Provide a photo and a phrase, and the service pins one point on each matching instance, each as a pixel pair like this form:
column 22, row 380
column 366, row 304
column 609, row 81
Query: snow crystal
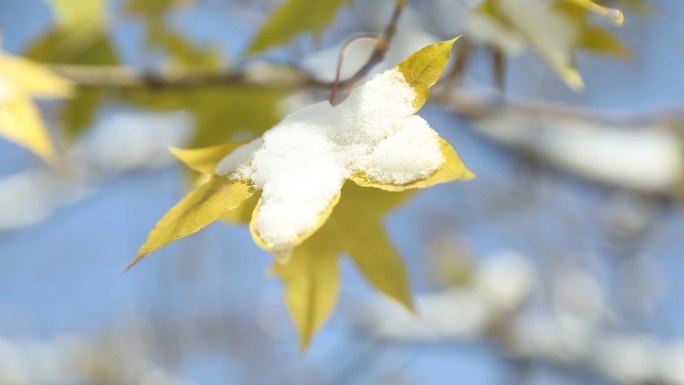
column 301, row 163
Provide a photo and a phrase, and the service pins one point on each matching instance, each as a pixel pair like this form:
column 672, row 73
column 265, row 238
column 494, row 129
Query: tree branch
column 519, row 125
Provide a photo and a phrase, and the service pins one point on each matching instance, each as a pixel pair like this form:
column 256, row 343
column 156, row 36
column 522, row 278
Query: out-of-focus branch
column 639, row 151
column 468, row 103
column 123, row 77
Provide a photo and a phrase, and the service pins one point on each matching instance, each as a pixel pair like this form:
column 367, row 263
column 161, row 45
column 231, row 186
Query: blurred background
column 560, row 264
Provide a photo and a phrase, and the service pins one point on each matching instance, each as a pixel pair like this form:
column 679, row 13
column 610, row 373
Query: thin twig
column 340, row 60
column 379, row 50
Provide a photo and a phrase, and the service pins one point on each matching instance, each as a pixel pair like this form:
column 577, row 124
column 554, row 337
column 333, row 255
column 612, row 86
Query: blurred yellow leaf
column 80, row 111
column 73, row 13
column 29, row 78
column 151, row 9
column 600, row 40
column 184, row 55
column 424, row 68
column 593, row 38
column 20, row 81
column 79, row 35
column 555, row 30
column 201, row 207
column 294, row 17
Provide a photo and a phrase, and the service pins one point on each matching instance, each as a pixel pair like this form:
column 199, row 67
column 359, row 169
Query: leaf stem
column 343, row 53
column 381, row 47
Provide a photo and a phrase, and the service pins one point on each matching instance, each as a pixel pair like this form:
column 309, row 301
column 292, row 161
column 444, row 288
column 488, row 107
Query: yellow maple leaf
column 347, row 217
column 20, row 81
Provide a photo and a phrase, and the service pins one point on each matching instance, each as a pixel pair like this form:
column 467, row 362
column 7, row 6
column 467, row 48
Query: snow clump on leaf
column 301, row 164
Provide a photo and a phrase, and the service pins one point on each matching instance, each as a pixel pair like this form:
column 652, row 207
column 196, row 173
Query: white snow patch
column 301, row 163
column 407, row 156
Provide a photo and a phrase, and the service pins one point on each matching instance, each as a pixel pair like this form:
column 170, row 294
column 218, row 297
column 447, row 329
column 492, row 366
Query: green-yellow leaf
column 452, row 169
column 600, row 40
column 79, row 35
column 79, row 112
column 182, row 54
column 294, row 17
column 592, row 37
column 555, row 30
column 150, row 8
column 613, row 14
column 424, row 68
column 30, row 78
column 73, row 13
column 201, row 207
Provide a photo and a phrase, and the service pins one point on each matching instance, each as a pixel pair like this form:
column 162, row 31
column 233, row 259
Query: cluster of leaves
column 351, row 225
column 506, row 21
column 80, row 35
